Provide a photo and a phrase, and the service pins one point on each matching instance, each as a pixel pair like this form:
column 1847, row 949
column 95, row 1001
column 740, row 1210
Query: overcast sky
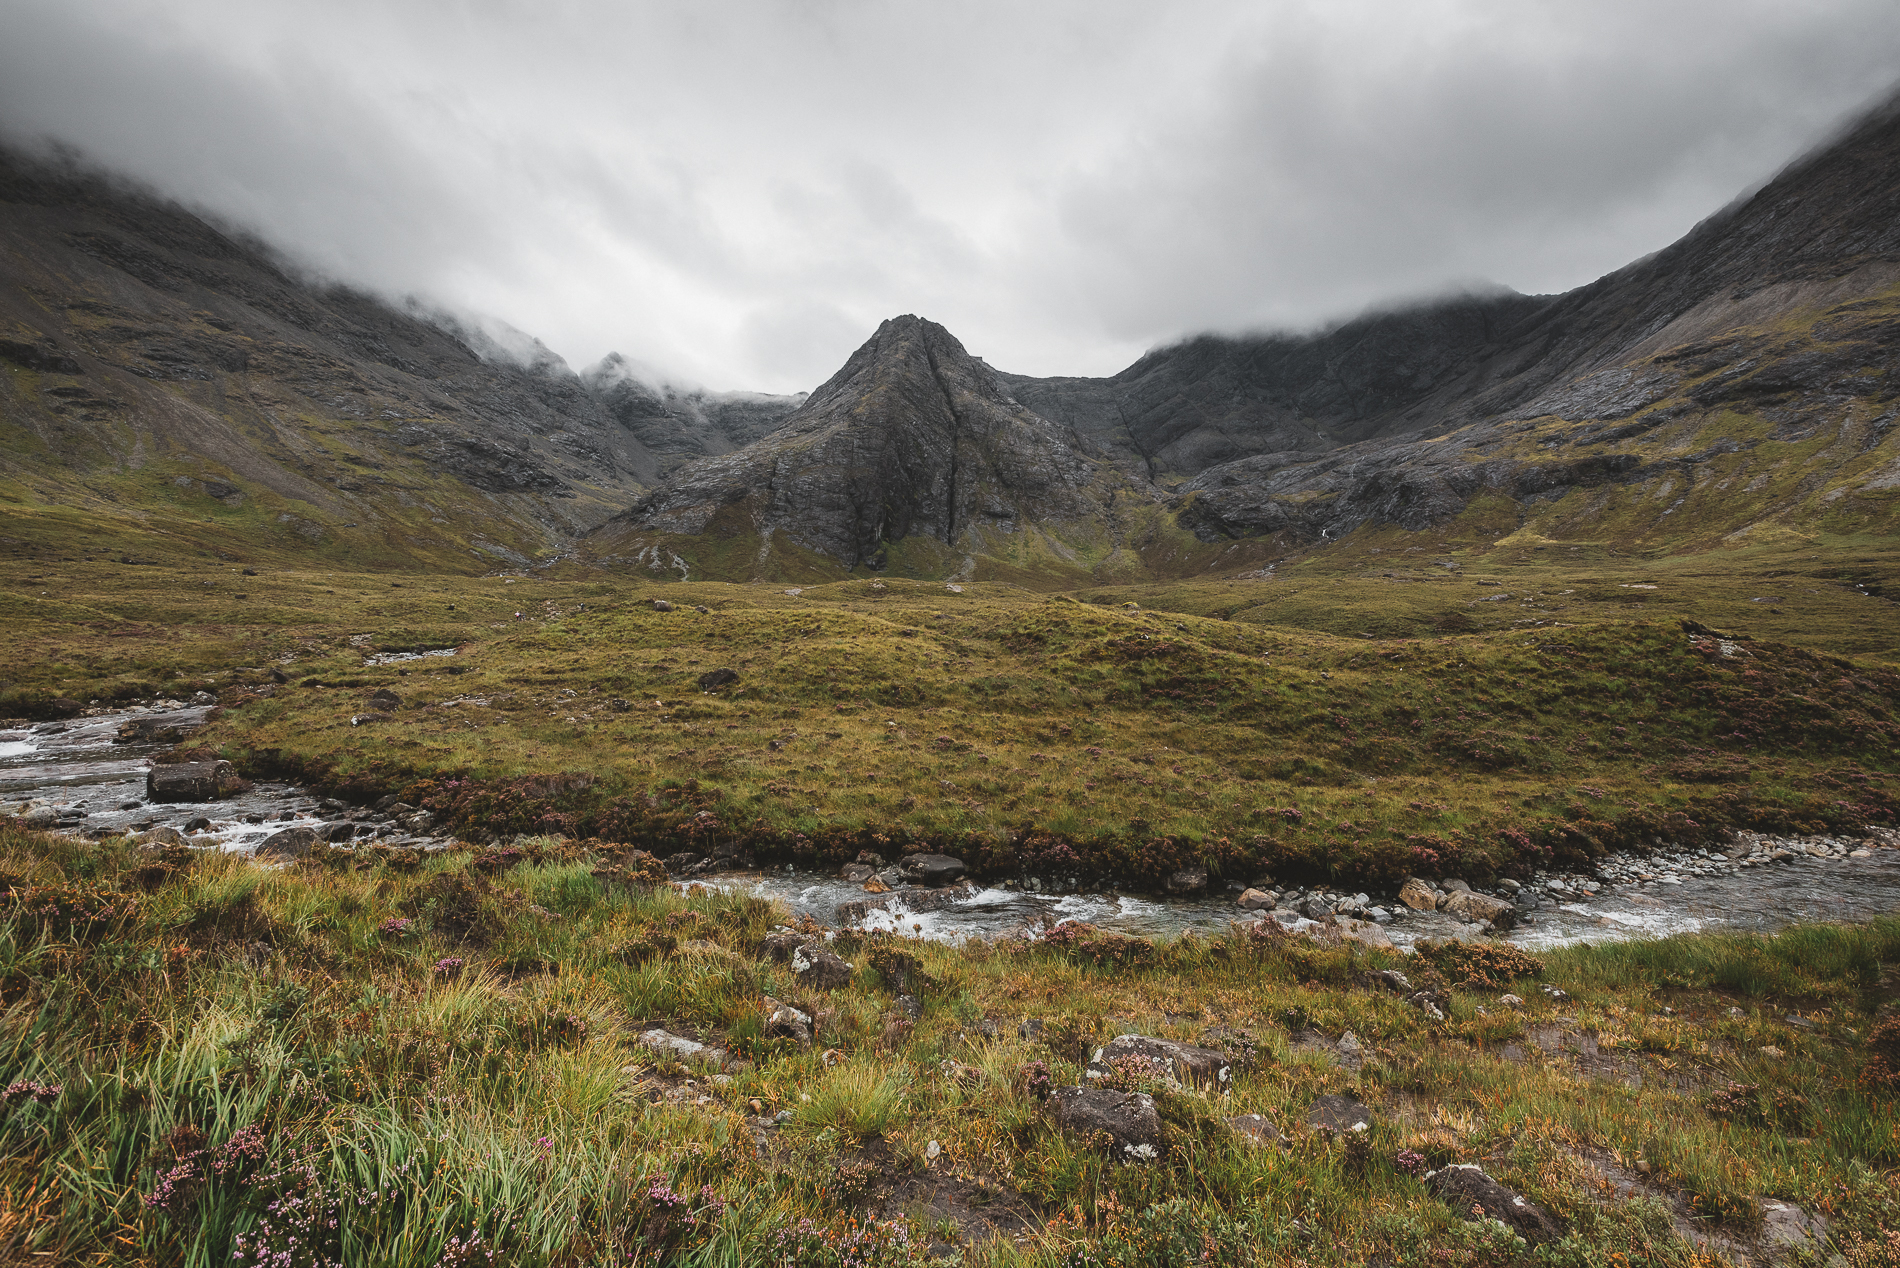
column 737, row 191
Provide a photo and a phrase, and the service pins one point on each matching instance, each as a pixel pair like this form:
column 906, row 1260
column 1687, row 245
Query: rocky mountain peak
column 913, row 438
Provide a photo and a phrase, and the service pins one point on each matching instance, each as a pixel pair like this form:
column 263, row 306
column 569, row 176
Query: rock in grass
column 782, row 1021
column 661, row 605
column 1256, row 1129
column 1475, row 1196
column 191, row 781
column 291, row 843
column 1182, row 1062
column 1417, row 895
column 1128, row 1120
column 385, row 700
column 1482, row 909
column 931, row 869
column 158, row 838
column 1339, row 1114
column 683, row 1049
column 1366, row 932
column 816, row 967
column 713, row 678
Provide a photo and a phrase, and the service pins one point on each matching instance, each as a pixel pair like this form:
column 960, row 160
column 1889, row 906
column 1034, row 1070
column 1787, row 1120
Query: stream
column 77, row 777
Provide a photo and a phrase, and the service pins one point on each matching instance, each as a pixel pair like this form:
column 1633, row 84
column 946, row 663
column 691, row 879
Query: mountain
column 1748, row 369
column 174, row 378
column 678, row 424
column 914, row 457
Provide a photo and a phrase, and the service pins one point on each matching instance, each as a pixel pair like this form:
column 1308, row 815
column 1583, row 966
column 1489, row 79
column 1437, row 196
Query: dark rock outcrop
column 1467, row 1190
column 1127, row 1121
column 913, row 438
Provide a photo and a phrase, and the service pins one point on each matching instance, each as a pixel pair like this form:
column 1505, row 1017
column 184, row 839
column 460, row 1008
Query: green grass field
column 432, row 1064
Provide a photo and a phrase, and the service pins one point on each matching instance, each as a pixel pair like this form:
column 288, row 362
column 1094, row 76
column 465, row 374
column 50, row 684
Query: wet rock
column 713, row 678
column 1256, row 1129
column 1189, row 880
column 1475, row 1196
column 191, row 781
column 197, row 825
column 1256, row 900
column 291, row 843
column 1482, row 909
column 1417, row 895
column 1128, row 1120
column 912, row 900
column 1338, row 1114
column 856, row 873
column 335, row 833
column 818, row 968
column 1182, row 1062
column 160, row 728
column 931, row 869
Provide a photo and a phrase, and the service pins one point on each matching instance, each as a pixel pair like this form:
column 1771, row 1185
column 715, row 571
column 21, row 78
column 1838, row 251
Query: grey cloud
column 735, row 192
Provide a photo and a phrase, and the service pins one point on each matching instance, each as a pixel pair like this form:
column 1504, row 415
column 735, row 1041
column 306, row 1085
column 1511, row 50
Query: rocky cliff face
column 912, row 439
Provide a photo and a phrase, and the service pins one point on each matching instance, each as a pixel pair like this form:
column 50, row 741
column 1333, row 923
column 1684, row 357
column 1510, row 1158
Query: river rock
column 158, row 838
column 912, row 900
column 1128, row 1119
column 1482, row 909
column 291, row 843
column 856, row 873
column 41, row 817
column 1189, row 880
column 931, row 869
column 191, row 781
column 1256, row 900
column 1366, row 932
column 1182, row 1062
column 1417, row 895
column 1475, row 1196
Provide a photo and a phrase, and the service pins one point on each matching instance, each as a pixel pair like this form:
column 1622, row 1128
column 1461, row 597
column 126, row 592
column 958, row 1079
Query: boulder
column 1482, row 909
column 1128, row 1120
column 41, row 817
column 1339, row 1114
column 191, row 781
column 931, row 869
column 856, row 873
column 1475, row 1196
column 1165, row 1058
column 816, row 967
column 291, row 843
column 661, row 605
column 1366, row 932
column 1189, row 880
column 1417, row 895
column 1256, row 900
column 1256, row 1129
